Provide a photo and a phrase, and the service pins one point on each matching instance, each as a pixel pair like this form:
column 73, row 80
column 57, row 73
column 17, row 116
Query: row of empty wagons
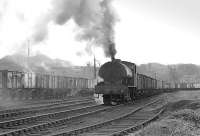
column 146, row 82
column 29, row 85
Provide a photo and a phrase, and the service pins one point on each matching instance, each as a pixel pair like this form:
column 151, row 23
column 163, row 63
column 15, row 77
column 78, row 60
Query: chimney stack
column 112, row 57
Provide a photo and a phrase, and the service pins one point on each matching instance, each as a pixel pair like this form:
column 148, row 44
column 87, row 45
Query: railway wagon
column 196, row 85
column 31, row 85
column 145, row 82
column 146, row 86
column 159, row 84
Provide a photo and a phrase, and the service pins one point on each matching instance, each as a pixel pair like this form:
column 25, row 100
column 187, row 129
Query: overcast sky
column 163, row 31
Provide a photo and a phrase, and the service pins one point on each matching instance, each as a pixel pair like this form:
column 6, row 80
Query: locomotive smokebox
column 114, row 71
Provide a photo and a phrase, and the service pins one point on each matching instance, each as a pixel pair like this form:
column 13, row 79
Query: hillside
column 43, row 64
column 173, row 73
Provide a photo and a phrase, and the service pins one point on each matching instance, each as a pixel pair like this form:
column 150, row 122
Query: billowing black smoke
column 95, row 18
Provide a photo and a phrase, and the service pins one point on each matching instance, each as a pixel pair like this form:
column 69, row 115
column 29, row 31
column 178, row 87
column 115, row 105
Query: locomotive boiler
column 119, row 81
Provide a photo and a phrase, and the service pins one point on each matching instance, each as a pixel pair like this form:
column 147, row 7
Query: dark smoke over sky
column 95, row 18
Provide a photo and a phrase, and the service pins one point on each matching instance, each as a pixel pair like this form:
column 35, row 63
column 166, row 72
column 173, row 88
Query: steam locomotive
column 121, row 83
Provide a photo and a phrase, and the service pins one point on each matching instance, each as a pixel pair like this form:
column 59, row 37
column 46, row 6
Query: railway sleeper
column 54, row 124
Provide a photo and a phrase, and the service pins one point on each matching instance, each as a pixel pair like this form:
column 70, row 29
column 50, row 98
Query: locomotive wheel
column 106, row 99
column 132, row 94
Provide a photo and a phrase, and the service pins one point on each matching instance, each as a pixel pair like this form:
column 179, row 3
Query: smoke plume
column 3, row 5
column 95, row 18
column 40, row 31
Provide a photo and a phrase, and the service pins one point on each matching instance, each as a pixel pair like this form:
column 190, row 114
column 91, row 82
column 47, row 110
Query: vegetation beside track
column 181, row 118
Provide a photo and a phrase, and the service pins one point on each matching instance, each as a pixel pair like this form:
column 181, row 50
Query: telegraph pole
column 28, row 48
column 28, row 52
column 95, row 69
column 28, row 44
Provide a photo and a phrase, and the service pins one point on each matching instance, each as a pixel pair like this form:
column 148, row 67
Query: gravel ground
column 181, row 117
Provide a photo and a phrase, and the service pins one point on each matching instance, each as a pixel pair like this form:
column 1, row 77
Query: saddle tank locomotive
column 119, row 81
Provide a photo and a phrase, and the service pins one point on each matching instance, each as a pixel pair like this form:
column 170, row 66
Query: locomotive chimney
column 112, row 50
column 112, row 57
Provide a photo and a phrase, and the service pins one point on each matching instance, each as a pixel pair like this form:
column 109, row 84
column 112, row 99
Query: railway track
column 43, row 103
column 124, row 125
column 25, row 104
column 112, row 126
column 53, row 120
column 57, row 123
column 41, row 113
column 14, row 113
column 134, row 127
